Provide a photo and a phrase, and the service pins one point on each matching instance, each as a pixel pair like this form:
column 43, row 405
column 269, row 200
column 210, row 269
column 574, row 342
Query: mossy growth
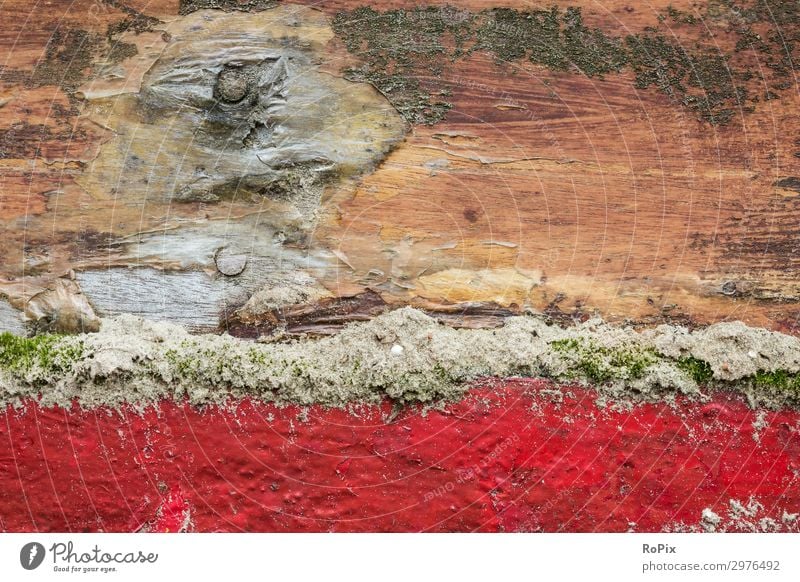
column 678, row 16
column 698, row 370
column 214, row 369
column 701, row 80
column 72, row 55
column 135, row 21
column 779, row 381
column 404, row 52
column 69, row 54
column 557, row 39
column 601, row 364
column 183, row 365
column 47, row 354
column 120, row 51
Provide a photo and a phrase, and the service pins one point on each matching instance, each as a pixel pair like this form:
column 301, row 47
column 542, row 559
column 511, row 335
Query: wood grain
column 541, row 189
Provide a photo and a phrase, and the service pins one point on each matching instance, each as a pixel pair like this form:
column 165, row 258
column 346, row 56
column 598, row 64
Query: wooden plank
column 539, row 188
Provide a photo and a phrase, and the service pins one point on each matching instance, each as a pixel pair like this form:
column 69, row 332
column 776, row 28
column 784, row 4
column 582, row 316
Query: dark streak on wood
column 325, row 317
column 329, row 316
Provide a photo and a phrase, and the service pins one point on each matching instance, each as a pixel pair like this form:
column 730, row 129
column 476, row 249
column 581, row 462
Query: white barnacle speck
column 396, row 350
column 752, row 354
column 709, row 520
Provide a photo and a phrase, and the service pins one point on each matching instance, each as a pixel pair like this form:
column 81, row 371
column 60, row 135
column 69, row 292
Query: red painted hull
column 503, row 459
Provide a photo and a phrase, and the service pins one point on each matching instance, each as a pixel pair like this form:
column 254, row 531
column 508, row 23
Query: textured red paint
column 503, row 459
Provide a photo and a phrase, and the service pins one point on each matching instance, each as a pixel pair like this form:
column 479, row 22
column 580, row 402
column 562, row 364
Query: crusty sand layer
column 403, row 355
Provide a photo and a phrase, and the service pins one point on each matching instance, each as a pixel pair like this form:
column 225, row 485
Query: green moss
column 183, row 365
column 778, row 381
column 699, row 370
column 566, row 345
column 257, row 357
column 48, row 353
column 600, row 364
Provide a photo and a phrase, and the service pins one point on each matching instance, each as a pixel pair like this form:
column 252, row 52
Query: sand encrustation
column 404, row 355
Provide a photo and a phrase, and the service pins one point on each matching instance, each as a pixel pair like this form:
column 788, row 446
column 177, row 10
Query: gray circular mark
column 729, row 288
column 230, row 263
column 232, row 85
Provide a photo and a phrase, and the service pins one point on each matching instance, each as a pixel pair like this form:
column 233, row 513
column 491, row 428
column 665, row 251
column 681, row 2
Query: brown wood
column 540, row 190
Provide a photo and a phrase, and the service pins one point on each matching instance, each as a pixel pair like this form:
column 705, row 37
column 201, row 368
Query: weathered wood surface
column 543, row 189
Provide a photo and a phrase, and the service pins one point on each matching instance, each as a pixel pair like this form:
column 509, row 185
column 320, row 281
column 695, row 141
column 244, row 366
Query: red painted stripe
column 503, row 459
